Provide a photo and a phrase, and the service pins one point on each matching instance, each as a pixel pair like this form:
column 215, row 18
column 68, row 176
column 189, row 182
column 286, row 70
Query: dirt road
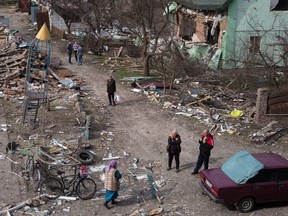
column 141, row 129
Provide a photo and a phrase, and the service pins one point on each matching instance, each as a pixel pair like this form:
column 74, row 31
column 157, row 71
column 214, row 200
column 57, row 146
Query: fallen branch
column 20, row 205
column 11, row 173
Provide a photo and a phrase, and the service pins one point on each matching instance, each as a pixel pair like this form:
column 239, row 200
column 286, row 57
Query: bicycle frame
column 67, row 182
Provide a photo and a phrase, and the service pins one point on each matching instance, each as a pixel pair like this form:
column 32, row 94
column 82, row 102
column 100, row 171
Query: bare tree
column 174, row 63
column 97, row 14
column 68, row 10
column 147, row 16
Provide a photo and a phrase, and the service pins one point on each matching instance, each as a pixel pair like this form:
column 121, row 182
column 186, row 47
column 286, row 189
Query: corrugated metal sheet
column 205, row 4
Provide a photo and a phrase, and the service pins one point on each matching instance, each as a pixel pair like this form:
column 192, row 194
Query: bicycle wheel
column 29, row 167
column 51, row 187
column 86, row 188
column 36, row 178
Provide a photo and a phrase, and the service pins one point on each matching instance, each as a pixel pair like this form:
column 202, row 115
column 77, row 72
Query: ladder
column 32, row 103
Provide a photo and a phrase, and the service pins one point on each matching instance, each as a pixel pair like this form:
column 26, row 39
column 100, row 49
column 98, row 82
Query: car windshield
column 241, row 167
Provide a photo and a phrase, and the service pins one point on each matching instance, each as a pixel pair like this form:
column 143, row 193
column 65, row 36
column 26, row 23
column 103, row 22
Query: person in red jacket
column 206, row 142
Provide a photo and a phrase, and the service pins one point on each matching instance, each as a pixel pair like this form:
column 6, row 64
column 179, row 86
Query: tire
column 51, row 187
column 86, row 188
column 245, row 205
column 85, row 157
column 36, row 178
column 29, row 167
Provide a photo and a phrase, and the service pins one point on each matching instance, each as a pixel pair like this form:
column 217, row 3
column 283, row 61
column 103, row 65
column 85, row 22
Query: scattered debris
column 156, row 211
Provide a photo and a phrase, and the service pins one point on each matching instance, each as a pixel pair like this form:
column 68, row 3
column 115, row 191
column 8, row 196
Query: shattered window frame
column 278, row 5
column 255, row 42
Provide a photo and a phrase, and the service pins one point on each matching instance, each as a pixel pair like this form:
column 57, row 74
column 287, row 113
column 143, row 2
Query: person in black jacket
column 111, row 89
column 174, row 149
column 70, row 51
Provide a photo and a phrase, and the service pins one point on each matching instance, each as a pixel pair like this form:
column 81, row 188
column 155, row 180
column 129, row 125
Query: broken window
column 254, row 44
column 278, row 5
column 186, row 27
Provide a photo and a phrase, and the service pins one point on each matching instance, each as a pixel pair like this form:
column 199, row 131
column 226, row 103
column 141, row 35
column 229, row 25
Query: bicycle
column 33, row 171
column 55, row 186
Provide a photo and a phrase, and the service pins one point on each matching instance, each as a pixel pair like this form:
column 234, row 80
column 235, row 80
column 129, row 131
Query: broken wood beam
column 120, row 51
column 200, row 100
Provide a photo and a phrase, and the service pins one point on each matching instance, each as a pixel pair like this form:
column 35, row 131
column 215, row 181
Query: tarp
column 170, row 8
column 241, row 167
column 198, row 51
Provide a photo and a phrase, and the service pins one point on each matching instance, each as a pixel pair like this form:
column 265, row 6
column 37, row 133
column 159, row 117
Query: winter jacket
column 80, row 51
column 173, row 146
column 206, row 144
column 70, row 48
column 111, row 86
column 112, row 180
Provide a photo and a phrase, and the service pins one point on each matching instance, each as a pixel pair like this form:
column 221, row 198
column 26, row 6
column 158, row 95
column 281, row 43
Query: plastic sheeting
column 241, row 167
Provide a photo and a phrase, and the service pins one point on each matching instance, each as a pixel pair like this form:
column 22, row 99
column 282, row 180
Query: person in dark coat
column 174, row 149
column 75, row 48
column 70, row 51
column 206, row 142
column 111, row 89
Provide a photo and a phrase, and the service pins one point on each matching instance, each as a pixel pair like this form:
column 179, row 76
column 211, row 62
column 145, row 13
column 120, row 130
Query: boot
column 114, row 202
column 106, row 205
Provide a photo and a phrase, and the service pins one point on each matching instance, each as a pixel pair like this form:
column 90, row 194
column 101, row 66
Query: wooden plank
column 203, row 99
column 54, row 74
column 120, row 51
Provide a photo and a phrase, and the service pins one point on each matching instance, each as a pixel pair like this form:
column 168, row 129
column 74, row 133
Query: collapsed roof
column 205, row 4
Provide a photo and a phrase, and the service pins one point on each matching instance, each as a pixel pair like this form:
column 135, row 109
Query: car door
column 264, row 186
column 282, row 186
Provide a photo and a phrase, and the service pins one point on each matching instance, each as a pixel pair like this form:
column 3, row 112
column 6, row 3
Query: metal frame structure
column 37, row 68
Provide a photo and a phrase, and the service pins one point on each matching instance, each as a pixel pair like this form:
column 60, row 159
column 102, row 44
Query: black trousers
column 171, row 156
column 202, row 158
column 70, row 55
column 111, row 98
column 75, row 52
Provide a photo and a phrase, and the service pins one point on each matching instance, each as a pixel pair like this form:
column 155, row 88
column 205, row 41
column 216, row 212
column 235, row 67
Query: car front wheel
column 245, row 205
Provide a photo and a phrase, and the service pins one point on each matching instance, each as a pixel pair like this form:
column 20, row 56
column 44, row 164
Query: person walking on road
column 111, row 89
column 111, row 183
column 75, row 48
column 206, row 142
column 80, row 54
column 70, row 51
column 174, row 149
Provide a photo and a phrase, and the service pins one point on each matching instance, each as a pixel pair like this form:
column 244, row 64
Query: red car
column 246, row 179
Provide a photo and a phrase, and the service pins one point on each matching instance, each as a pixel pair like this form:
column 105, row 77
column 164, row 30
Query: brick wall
column 200, row 27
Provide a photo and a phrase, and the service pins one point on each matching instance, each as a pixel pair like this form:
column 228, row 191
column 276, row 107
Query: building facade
column 235, row 33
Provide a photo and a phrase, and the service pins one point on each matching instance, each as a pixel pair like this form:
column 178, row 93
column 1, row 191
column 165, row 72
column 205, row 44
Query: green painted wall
column 248, row 18
column 229, row 37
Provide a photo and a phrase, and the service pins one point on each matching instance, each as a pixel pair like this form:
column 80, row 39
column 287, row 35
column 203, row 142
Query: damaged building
column 233, row 34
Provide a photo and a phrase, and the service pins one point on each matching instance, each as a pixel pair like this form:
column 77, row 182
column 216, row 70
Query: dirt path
column 142, row 129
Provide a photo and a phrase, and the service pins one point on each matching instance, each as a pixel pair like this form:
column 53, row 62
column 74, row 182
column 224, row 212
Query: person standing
column 206, row 142
column 75, row 48
column 70, row 51
column 80, row 53
column 174, row 149
column 111, row 183
column 111, row 89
